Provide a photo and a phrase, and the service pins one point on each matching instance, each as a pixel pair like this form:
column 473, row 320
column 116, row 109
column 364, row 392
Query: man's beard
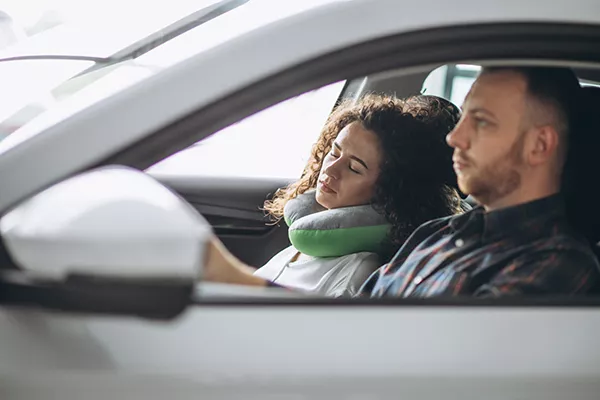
column 494, row 181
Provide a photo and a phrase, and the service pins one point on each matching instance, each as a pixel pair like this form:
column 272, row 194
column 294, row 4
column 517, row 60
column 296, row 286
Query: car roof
column 106, row 127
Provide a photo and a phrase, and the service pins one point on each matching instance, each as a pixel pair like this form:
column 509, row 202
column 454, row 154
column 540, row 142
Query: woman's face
column 350, row 169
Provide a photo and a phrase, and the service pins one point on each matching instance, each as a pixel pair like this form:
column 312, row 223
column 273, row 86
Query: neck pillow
column 319, row 232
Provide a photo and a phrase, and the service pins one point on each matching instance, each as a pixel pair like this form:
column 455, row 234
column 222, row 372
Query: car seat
column 582, row 170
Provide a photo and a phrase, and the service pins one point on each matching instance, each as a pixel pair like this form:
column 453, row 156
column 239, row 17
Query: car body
column 226, row 344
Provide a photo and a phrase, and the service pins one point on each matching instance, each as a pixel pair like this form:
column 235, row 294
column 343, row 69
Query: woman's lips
column 325, row 188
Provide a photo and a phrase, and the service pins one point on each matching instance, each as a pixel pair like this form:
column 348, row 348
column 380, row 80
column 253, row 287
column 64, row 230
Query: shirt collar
column 513, row 218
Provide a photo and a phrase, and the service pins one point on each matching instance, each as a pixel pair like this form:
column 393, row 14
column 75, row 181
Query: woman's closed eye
column 481, row 123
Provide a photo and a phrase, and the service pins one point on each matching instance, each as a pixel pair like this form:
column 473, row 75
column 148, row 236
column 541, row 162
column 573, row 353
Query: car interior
column 233, row 205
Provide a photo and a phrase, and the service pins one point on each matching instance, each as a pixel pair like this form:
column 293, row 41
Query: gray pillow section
column 301, row 206
column 305, row 213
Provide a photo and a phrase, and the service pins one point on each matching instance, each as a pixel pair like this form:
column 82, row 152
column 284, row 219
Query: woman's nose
column 333, row 169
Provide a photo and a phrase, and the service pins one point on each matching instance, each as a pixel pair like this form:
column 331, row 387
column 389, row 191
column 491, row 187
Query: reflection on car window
column 274, row 143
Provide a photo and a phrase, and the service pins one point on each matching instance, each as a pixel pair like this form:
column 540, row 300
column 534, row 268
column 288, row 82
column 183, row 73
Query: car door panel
column 233, row 206
column 336, row 352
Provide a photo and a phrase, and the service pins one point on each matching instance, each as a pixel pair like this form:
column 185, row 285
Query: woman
column 380, row 168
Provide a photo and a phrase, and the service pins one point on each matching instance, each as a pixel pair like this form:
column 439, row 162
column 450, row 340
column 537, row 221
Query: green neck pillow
column 319, row 232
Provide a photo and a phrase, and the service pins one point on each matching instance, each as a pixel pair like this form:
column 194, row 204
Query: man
column 510, row 148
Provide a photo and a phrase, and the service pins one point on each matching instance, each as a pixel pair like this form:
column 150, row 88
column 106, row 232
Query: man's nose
column 458, row 138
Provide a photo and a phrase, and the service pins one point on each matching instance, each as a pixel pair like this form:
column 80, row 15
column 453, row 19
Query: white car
column 101, row 292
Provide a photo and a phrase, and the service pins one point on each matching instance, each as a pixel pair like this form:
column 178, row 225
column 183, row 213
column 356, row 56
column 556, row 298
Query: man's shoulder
column 565, row 255
column 567, row 241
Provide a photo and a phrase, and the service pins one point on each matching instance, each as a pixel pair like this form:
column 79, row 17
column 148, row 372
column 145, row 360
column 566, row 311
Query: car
column 108, row 197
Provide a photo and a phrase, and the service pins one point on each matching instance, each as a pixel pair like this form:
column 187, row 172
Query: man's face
column 488, row 141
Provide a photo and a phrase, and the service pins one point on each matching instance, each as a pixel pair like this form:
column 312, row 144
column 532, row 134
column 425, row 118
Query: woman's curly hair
column 416, row 182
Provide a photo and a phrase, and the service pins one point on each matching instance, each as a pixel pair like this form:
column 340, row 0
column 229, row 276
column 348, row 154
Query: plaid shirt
column 527, row 249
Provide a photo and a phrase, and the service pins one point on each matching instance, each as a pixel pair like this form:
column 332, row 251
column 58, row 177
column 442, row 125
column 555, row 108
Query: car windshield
column 92, row 29
column 55, row 51
column 65, row 55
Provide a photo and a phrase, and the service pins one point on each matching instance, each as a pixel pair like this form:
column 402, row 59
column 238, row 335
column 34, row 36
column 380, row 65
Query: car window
column 273, row 143
column 451, row 81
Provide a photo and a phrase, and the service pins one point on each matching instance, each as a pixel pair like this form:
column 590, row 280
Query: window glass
column 273, row 143
column 460, row 88
column 451, row 81
column 454, row 81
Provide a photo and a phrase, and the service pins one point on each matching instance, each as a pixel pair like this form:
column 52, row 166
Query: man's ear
column 544, row 145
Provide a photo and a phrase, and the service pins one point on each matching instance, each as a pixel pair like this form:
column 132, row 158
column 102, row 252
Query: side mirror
column 112, row 239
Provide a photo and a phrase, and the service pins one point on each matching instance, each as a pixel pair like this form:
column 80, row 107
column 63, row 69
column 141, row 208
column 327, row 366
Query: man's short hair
column 553, row 98
column 554, row 89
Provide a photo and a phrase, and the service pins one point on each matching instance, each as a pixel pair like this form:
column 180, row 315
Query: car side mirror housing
column 113, row 229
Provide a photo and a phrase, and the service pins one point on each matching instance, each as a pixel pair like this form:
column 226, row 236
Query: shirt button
column 417, row 280
column 459, row 243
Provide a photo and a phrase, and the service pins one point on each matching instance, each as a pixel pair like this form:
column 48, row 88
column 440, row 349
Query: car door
column 298, row 347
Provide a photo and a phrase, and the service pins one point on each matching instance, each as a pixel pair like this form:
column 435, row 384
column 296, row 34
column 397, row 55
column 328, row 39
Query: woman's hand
column 222, row 266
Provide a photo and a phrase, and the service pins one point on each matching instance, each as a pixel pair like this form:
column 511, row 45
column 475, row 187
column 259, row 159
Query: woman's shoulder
column 361, row 257
column 356, row 265
column 350, row 272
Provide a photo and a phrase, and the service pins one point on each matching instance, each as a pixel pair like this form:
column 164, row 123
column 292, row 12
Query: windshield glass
column 84, row 28
column 62, row 47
